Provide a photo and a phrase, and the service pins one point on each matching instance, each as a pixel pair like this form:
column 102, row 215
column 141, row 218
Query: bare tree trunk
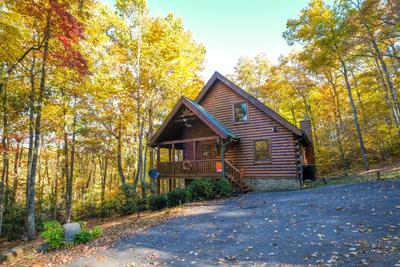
column 104, row 180
column 355, row 116
column 70, row 174
column 119, row 153
column 55, row 188
column 381, row 80
column 5, row 154
column 30, row 199
column 16, row 169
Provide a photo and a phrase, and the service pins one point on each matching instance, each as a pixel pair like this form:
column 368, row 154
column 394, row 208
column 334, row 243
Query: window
column 262, row 150
column 240, row 112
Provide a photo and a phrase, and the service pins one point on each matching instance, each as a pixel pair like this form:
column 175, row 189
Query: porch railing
column 190, row 168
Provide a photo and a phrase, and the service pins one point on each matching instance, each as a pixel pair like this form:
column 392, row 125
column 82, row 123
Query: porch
column 191, row 144
column 179, row 160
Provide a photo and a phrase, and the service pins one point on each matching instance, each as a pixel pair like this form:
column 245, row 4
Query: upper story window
column 262, row 150
column 241, row 112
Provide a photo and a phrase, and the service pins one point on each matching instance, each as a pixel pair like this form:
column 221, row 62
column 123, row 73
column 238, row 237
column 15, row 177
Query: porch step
column 236, row 184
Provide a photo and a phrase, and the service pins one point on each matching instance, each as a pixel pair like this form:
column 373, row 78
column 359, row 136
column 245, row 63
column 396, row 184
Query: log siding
column 219, row 101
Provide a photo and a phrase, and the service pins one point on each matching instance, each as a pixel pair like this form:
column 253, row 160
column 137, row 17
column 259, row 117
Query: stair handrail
column 235, row 173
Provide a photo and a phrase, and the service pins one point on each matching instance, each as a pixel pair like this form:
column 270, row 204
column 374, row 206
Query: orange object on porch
column 218, row 166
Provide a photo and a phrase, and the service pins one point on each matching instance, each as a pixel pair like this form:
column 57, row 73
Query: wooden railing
column 234, row 175
column 193, row 168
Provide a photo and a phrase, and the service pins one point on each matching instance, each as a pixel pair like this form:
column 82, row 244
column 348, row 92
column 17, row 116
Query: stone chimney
column 308, row 152
column 305, row 125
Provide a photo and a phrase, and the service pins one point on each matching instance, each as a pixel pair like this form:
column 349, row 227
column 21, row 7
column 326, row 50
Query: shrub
column 176, row 196
column 13, row 222
column 85, row 236
column 129, row 207
column 54, row 233
column 112, row 206
column 223, row 188
column 97, row 232
column 202, row 189
column 157, row 202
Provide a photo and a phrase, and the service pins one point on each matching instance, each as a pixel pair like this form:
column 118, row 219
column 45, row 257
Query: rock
column 70, row 229
column 43, row 248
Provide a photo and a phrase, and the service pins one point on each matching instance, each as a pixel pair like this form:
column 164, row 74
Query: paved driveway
column 347, row 225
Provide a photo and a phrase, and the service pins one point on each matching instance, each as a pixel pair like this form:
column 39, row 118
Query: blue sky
column 230, row 29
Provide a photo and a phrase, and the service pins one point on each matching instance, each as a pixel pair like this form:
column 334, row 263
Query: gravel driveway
column 351, row 225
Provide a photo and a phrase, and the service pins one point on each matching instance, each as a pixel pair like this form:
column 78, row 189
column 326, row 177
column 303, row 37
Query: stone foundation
column 270, row 184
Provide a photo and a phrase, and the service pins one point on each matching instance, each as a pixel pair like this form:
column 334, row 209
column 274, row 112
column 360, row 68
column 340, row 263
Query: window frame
column 247, row 109
column 265, row 161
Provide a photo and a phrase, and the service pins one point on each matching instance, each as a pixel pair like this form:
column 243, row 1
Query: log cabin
column 227, row 133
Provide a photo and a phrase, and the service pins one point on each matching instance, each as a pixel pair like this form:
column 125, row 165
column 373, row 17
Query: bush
column 85, row 236
column 135, row 204
column 203, row 189
column 54, row 233
column 210, row 188
column 97, row 232
column 176, row 196
column 223, row 188
column 112, row 206
column 158, row 202
column 13, row 222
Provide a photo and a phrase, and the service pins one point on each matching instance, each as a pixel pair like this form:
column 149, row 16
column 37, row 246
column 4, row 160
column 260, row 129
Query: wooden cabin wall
column 197, row 130
column 219, row 102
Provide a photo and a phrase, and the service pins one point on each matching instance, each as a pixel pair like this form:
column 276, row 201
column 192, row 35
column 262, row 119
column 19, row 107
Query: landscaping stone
column 70, row 229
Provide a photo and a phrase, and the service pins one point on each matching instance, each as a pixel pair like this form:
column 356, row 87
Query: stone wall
column 273, row 184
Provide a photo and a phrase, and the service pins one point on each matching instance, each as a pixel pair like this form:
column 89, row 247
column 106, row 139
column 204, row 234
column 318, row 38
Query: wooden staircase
column 235, row 176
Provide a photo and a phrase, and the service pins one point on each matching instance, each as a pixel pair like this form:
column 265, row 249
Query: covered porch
column 191, row 144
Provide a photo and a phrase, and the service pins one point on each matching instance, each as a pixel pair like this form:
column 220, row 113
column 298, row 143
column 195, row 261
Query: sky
column 230, row 29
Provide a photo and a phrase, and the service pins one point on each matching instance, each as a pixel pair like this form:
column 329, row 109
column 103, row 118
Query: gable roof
column 219, row 77
column 220, row 129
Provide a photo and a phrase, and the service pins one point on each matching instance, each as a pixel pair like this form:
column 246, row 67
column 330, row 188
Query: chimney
column 308, row 152
column 305, row 125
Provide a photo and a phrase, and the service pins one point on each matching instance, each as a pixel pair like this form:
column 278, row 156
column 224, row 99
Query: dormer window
column 240, row 111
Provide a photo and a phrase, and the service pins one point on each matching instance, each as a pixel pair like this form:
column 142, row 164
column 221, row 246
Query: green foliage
column 112, row 206
column 223, row 188
column 176, row 197
column 210, row 188
column 203, row 189
column 13, row 221
column 86, row 235
column 54, row 233
column 157, row 202
column 96, row 232
column 82, row 237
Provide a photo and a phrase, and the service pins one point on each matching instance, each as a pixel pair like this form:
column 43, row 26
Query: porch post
column 194, row 158
column 158, row 184
column 223, row 158
column 173, row 160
